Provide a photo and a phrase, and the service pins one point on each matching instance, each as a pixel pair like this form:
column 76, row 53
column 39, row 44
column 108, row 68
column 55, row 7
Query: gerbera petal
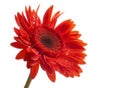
column 81, row 55
column 32, row 51
column 72, row 52
column 72, row 71
column 73, row 35
column 17, row 45
column 32, row 17
column 78, row 60
column 21, row 54
column 16, row 31
column 28, row 13
column 31, row 62
column 65, row 27
column 19, row 40
column 63, row 62
column 81, row 42
column 27, row 57
column 47, row 16
column 54, row 19
column 50, row 61
column 51, row 75
column 22, row 22
column 63, row 71
column 26, row 42
column 25, row 23
column 75, row 71
column 75, row 55
column 23, row 37
column 43, row 64
column 17, row 18
column 75, row 44
column 48, row 68
column 23, row 32
column 34, row 70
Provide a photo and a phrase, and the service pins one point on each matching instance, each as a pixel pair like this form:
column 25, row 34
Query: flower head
column 53, row 48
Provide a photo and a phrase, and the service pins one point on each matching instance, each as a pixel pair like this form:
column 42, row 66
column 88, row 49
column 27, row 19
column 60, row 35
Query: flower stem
column 28, row 82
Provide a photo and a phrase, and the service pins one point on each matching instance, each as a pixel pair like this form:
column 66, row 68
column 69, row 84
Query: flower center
column 48, row 41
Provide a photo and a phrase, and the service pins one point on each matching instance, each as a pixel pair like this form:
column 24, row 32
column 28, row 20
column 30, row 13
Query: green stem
column 28, row 82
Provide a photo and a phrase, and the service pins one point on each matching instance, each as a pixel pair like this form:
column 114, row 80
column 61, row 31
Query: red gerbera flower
column 54, row 48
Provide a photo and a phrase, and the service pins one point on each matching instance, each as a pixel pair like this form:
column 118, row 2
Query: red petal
column 28, row 13
column 50, row 61
column 75, row 44
column 21, row 54
column 27, row 56
column 17, row 45
column 81, row 43
column 72, row 71
column 74, row 32
column 17, row 31
column 51, row 76
column 63, row 62
column 26, row 42
column 32, row 51
column 77, row 69
column 65, row 27
column 19, row 40
column 54, row 19
column 25, row 23
column 23, row 40
column 24, row 34
column 63, row 71
column 32, row 17
column 47, row 16
column 79, row 60
column 76, row 53
column 17, row 18
column 34, row 70
column 74, row 35
column 31, row 63
column 48, row 68
column 22, row 22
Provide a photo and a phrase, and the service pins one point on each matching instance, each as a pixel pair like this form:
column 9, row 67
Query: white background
column 99, row 23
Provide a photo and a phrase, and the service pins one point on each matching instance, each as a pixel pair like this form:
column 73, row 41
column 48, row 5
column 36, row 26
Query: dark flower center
column 48, row 41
